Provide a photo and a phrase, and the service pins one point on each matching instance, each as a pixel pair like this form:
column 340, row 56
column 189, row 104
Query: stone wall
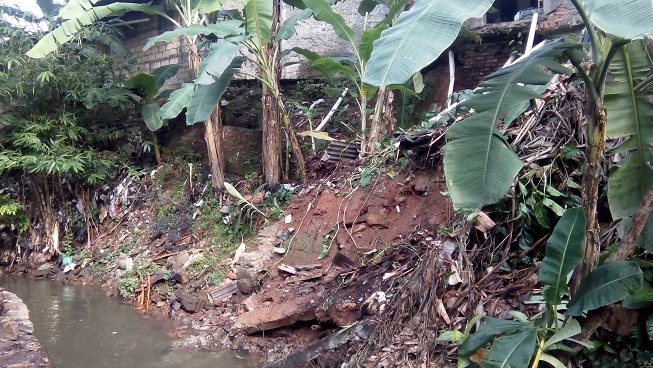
column 18, row 346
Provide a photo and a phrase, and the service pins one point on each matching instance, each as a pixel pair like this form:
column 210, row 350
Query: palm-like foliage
column 479, row 164
column 630, row 117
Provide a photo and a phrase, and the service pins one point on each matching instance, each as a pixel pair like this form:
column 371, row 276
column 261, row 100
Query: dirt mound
column 340, row 242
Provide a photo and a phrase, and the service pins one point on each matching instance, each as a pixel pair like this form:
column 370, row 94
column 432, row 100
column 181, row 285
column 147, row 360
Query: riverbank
column 333, row 257
column 18, row 346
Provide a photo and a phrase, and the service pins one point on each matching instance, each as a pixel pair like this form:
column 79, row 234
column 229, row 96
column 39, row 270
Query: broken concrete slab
column 280, row 315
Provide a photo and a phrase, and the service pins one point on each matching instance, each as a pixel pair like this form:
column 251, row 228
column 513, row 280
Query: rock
column 126, row 263
column 191, row 302
column 157, row 276
column 245, row 282
column 179, row 260
column 377, row 218
column 421, row 183
column 358, row 228
column 180, row 277
column 280, row 315
column 188, row 301
column 40, row 273
column 18, row 346
column 10, row 330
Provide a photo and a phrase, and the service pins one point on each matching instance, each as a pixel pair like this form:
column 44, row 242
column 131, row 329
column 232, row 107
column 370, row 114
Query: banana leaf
column 630, row 117
column 420, row 35
column 564, row 250
column 629, row 19
column 479, row 164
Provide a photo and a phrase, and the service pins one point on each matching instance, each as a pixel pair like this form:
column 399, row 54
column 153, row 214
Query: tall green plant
column 258, row 35
column 352, row 69
column 148, row 87
column 48, row 123
column 401, row 50
column 527, row 342
column 190, row 21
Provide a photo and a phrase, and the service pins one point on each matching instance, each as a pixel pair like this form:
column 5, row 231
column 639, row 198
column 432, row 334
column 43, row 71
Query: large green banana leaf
column 514, row 350
column 479, row 165
column 630, row 116
column 81, row 17
column 151, row 113
column 220, row 57
column 564, row 250
column 420, row 35
column 609, row 283
column 177, row 101
column 258, row 16
column 625, row 18
column 207, row 96
column 220, row 29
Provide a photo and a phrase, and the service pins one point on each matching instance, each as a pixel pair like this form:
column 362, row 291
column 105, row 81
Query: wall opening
column 512, row 10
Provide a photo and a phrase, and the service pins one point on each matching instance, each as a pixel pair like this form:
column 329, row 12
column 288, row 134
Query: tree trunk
column 383, row 120
column 213, row 137
column 212, row 130
column 591, row 180
column 271, row 110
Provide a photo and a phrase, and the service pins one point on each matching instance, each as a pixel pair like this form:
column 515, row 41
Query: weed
column 128, row 285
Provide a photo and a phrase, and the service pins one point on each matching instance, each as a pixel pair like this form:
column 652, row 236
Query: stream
column 81, row 327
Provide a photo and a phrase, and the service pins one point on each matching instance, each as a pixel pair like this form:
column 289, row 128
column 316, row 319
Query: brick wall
column 474, row 61
column 162, row 53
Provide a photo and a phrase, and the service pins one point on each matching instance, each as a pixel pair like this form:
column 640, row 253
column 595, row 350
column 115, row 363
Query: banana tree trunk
column 213, row 137
column 212, row 131
column 383, row 120
column 591, row 178
column 271, row 110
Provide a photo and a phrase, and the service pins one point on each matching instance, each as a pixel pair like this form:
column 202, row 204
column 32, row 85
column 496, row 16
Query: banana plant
column 525, row 342
column 148, row 89
column 256, row 33
column 79, row 14
column 619, row 105
column 351, row 68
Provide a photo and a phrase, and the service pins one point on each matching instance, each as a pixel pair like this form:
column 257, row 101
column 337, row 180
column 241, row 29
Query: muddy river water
column 80, row 327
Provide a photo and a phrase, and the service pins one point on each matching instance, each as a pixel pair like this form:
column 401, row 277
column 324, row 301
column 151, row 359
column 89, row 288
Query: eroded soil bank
column 330, row 261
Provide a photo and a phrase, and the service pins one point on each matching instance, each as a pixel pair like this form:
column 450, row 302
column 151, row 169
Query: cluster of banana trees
column 257, row 30
column 481, row 166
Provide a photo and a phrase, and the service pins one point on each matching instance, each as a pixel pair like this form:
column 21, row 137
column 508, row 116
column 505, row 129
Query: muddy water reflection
column 80, row 327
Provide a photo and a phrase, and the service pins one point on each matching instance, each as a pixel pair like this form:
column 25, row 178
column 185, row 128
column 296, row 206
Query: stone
column 358, row 228
column 188, row 301
column 245, row 282
column 180, row 277
column 279, row 315
column 377, row 219
column 126, row 263
column 179, row 260
column 158, row 275
column 10, row 330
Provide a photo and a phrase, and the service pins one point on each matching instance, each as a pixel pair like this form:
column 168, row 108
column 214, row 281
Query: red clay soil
column 362, row 226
